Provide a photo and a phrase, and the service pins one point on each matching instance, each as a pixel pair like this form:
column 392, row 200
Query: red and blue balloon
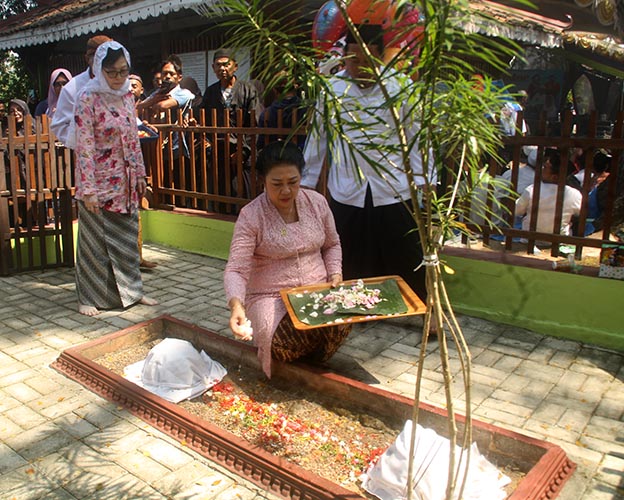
column 329, row 26
column 401, row 28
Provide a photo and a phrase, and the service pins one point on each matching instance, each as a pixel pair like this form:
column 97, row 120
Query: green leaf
column 15, row 81
column 392, row 303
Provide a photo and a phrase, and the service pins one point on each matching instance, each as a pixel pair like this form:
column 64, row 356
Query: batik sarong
column 315, row 345
column 107, row 259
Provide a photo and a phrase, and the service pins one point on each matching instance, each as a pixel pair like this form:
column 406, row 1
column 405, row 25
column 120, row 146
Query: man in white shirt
column 526, row 171
column 377, row 231
column 572, row 199
column 62, row 123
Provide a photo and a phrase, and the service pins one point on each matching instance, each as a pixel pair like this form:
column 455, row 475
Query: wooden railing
column 36, row 190
column 36, row 210
column 594, row 140
column 192, row 181
column 216, row 170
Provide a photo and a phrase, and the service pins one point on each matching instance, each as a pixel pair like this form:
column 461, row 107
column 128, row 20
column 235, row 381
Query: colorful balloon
column 371, row 11
column 407, row 31
column 328, row 27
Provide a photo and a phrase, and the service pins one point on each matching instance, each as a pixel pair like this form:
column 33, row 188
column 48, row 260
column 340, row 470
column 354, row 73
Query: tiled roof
column 57, row 12
column 530, row 27
column 64, row 19
column 516, row 24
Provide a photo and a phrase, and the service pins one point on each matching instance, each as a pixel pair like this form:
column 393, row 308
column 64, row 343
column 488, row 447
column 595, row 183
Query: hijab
column 24, row 108
column 52, row 95
column 98, row 83
column 22, row 105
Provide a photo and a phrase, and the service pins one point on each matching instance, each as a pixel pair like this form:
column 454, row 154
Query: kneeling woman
column 285, row 237
column 110, row 181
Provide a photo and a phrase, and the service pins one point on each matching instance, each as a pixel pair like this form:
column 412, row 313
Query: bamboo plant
column 451, row 104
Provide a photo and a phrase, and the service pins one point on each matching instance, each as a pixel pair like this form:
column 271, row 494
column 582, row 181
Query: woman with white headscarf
column 110, row 181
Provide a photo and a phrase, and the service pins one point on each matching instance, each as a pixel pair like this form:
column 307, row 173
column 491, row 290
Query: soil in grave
column 313, row 431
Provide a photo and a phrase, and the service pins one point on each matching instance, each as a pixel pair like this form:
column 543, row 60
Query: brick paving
column 61, row 441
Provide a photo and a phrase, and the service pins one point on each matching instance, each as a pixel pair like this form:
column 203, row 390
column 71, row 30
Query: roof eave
column 101, row 21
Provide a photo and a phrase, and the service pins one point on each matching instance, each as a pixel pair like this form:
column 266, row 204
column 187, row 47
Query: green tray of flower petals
column 351, row 302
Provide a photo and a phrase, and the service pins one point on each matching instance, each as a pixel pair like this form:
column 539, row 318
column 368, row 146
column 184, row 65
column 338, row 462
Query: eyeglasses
column 112, row 73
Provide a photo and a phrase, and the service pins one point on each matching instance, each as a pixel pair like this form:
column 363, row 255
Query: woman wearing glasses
column 110, row 181
column 59, row 78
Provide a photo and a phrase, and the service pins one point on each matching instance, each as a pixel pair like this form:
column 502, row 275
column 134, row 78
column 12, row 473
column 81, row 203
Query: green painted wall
column 26, row 247
column 193, row 233
column 582, row 308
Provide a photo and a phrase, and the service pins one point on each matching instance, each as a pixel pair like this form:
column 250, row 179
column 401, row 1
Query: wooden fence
column 36, row 188
column 192, row 182
column 215, row 174
column 595, row 139
column 209, row 164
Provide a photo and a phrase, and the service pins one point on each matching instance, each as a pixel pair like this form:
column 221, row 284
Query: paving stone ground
column 61, row 441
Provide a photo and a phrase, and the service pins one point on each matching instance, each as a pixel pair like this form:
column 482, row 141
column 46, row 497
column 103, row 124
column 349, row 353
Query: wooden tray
column 412, row 301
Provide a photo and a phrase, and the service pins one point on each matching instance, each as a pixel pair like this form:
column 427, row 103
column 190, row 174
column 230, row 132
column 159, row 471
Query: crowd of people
column 538, row 177
column 289, row 235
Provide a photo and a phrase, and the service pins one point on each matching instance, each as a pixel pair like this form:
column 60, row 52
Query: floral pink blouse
column 267, row 255
column 108, row 153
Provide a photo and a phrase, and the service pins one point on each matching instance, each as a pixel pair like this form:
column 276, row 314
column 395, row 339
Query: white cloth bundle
column 387, row 479
column 175, row 371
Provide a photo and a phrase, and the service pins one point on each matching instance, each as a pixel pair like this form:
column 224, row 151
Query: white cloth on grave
column 175, row 371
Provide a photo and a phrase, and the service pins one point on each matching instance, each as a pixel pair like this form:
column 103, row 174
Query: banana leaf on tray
column 311, row 308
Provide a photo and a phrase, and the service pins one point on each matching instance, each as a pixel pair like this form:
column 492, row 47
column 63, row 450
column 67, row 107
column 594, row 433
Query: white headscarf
column 98, row 83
